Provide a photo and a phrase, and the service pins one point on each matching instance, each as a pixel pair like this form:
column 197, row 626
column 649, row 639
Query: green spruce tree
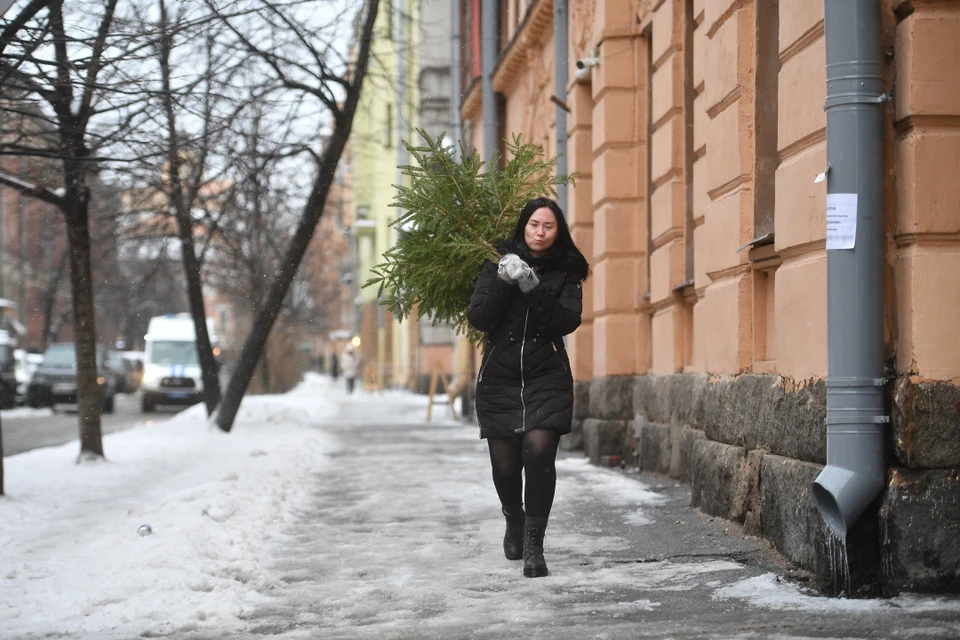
column 452, row 215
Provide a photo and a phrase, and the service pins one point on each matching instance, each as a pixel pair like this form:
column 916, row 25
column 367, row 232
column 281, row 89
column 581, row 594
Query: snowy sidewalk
column 324, row 515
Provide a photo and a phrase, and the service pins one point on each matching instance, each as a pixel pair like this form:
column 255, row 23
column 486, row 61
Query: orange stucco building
column 698, row 132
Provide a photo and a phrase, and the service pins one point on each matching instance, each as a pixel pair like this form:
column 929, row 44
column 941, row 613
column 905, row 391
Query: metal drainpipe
column 560, row 49
column 455, row 99
column 855, row 470
column 488, row 60
column 467, row 401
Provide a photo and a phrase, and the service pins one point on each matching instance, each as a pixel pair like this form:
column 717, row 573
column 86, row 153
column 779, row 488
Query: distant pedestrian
column 525, row 305
column 349, row 365
column 334, row 366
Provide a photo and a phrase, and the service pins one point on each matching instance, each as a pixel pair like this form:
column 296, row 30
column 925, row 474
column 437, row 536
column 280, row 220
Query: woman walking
column 525, row 305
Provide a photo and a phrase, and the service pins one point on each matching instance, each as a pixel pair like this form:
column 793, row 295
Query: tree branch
column 96, row 62
column 26, row 14
column 32, row 190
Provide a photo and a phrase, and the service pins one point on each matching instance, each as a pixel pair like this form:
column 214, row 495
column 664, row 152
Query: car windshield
column 174, row 353
column 64, row 356
column 60, row 356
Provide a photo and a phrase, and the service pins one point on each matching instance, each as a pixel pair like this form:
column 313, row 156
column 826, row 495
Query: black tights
column 534, row 454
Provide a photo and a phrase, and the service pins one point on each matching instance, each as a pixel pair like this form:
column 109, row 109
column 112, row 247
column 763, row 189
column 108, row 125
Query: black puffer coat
column 525, row 381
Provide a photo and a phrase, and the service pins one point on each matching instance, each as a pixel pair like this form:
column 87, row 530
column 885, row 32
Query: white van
column 171, row 365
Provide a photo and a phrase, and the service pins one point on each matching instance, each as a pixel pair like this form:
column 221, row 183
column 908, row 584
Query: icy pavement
column 324, row 515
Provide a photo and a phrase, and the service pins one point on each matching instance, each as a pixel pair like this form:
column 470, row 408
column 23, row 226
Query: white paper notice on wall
column 841, row 220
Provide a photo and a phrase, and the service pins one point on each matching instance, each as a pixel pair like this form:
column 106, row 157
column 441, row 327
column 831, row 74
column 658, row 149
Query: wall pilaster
column 619, row 146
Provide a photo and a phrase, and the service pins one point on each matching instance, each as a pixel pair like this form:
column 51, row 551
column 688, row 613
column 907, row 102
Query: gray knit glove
column 513, row 269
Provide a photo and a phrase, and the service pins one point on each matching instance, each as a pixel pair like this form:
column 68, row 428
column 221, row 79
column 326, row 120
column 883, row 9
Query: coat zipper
column 557, row 353
column 486, row 364
column 523, row 343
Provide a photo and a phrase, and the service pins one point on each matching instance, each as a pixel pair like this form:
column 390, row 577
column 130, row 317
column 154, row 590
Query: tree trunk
column 183, row 206
column 208, row 362
column 49, row 299
column 266, row 385
column 253, row 347
column 84, row 331
column 267, row 314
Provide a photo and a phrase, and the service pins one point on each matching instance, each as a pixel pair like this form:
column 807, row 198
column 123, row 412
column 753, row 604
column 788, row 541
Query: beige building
column 698, row 131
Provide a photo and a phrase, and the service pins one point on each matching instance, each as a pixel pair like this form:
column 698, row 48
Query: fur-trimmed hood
column 566, row 259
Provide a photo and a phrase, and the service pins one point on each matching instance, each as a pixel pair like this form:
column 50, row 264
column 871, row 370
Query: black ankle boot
column 513, row 538
column 534, row 566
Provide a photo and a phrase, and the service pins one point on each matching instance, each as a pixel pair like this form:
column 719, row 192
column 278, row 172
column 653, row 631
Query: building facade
column 34, row 259
column 407, row 87
column 697, row 129
column 373, row 167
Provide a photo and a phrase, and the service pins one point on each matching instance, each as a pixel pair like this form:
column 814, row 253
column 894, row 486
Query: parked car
column 8, row 376
column 128, row 369
column 135, row 373
column 171, row 364
column 55, row 381
column 25, row 364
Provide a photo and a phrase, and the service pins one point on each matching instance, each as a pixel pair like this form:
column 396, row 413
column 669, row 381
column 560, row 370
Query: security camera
column 584, row 65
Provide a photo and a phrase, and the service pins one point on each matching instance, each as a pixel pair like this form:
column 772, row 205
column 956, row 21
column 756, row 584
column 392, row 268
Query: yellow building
column 407, row 87
column 699, row 130
column 381, row 116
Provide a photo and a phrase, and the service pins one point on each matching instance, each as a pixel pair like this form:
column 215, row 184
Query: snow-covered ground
column 71, row 558
column 226, row 517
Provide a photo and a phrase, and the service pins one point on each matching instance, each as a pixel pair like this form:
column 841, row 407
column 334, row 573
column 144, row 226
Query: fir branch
column 452, row 215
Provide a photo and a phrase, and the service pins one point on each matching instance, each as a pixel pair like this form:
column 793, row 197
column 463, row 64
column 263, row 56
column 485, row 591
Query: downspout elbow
column 853, row 477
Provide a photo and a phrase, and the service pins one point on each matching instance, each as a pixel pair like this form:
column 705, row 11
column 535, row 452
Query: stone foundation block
column 926, row 424
column 746, row 497
column 751, row 411
column 791, row 521
column 790, row 518
column 716, row 475
column 654, row 448
column 607, row 438
column 611, row 398
column 659, row 448
column 581, row 400
column 689, row 437
column 755, row 411
column 573, row 441
column 670, row 399
column 920, row 531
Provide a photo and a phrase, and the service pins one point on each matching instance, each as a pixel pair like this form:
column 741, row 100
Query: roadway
column 24, row 429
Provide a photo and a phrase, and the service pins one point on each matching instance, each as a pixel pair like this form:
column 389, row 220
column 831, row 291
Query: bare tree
column 9, row 32
column 63, row 72
column 301, row 67
column 194, row 174
column 261, row 210
column 187, row 172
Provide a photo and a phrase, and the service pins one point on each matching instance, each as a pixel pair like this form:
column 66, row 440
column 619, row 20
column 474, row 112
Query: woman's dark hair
column 564, row 239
